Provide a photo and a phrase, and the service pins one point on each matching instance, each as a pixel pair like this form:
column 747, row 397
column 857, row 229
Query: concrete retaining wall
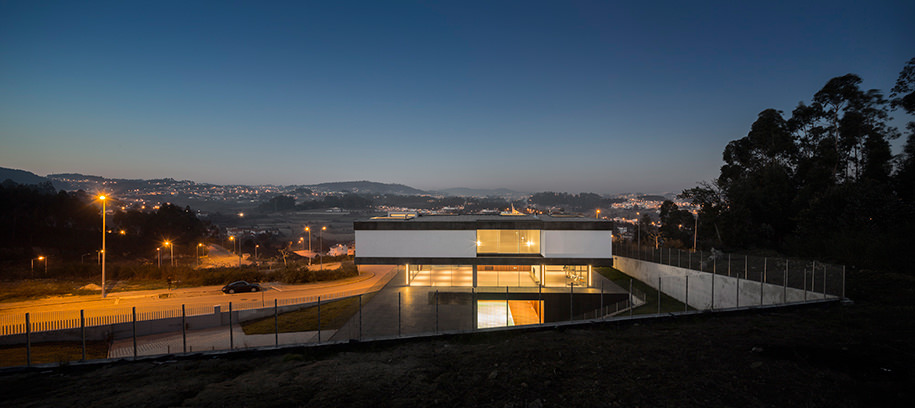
column 704, row 290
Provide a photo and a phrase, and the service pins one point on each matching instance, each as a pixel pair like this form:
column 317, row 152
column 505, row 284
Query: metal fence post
column 729, row 265
column 686, row 295
column 398, row 314
column 785, row 284
column 737, row 295
column 659, row 295
column 805, row 283
column 360, row 316
column 473, row 309
column 540, row 299
column 762, row 279
column 714, row 272
column 82, row 331
column 507, row 313
column 319, row 319
column 134, row 313
column 602, row 300
column 436, row 308
column 276, row 323
column 571, row 305
column 183, row 329
column 630, row 298
column 231, row 334
column 28, row 341
column 813, row 278
column 746, row 269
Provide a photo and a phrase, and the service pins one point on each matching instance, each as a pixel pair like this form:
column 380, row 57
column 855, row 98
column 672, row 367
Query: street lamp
column 321, row 246
column 40, row 258
column 308, row 230
column 199, row 245
column 695, row 230
column 171, row 249
column 159, row 258
column 597, row 215
column 102, row 198
column 256, row 246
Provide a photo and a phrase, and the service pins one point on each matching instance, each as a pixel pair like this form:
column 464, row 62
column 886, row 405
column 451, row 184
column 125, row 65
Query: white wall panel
column 418, row 243
column 575, row 244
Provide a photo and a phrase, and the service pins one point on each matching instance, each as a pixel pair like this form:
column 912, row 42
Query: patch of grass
column 668, row 304
column 52, row 352
column 333, row 316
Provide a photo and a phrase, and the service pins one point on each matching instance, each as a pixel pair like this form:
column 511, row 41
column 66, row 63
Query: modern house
column 515, row 250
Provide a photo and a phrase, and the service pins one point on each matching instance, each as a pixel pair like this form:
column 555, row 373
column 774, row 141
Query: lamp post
column 159, row 257
column 256, row 246
column 321, row 246
column 302, row 241
column 40, row 258
column 308, row 230
column 695, row 230
column 199, row 245
column 171, row 249
column 597, row 214
column 102, row 198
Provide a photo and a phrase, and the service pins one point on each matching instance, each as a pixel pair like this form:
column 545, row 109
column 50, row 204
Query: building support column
column 474, row 276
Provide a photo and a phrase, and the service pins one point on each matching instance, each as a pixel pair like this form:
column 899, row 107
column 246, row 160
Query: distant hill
column 366, row 187
column 480, row 192
column 21, row 176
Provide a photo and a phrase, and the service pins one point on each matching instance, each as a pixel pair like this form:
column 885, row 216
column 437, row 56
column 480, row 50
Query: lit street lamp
column 321, row 246
column 256, row 246
column 40, row 258
column 597, row 215
column 102, row 254
column 695, row 230
column 171, row 249
column 199, row 245
column 159, row 257
column 308, row 230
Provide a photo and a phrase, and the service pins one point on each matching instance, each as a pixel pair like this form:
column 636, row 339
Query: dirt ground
column 814, row 356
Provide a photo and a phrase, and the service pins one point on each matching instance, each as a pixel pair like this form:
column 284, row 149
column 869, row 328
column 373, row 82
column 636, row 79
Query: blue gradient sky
column 564, row 96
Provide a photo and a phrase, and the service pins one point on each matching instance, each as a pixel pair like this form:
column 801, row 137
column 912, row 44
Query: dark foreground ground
column 820, row 356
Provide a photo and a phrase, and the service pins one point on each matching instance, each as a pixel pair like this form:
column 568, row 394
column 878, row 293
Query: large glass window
column 440, row 275
column 508, row 241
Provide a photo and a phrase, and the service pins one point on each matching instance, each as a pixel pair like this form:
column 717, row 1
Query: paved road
column 159, row 299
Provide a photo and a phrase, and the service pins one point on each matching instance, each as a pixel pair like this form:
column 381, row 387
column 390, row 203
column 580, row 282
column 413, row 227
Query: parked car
column 241, row 286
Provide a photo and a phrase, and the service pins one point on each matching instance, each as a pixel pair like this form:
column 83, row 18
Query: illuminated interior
column 508, row 275
column 508, row 241
column 499, row 313
column 440, row 275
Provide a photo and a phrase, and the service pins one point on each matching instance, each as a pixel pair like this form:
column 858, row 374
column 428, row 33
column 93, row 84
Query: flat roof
column 484, row 221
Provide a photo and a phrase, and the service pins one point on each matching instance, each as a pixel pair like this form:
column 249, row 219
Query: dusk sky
column 604, row 97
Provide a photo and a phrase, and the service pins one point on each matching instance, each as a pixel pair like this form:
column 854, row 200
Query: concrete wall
column 575, row 244
column 416, row 243
column 698, row 290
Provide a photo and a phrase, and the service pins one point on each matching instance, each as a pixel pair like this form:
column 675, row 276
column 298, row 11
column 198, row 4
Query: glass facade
column 440, row 275
column 564, row 275
column 491, row 241
column 508, row 275
column 501, row 313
